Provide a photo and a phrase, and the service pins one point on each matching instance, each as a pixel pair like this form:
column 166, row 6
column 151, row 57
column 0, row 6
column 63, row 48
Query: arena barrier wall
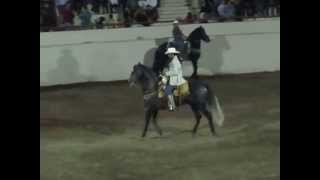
column 109, row 55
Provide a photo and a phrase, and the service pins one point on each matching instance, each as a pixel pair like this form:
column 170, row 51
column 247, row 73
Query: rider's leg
column 168, row 91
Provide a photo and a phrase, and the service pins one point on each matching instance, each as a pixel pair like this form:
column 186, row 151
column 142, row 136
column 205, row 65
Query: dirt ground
column 92, row 132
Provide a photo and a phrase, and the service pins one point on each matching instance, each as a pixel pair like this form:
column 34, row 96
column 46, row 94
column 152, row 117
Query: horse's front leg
column 147, row 120
column 195, row 68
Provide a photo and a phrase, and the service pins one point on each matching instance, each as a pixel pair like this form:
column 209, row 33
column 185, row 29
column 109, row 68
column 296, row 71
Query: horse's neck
column 149, row 84
column 195, row 44
column 195, row 39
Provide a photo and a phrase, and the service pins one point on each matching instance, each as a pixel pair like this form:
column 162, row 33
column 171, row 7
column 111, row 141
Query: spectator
column 76, row 19
column 271, row 7
column 152, row 3
column 142, row 3
column 85, row 16
column 100, row 22
column 202, row 17
column 132, row 4
column 248, row 8
column 260, row 6
column 238, row 9
column 67, row 15
column 204, row 14
column 189, row 18
column 226, row 9
column 127, row 17
column 151, row 12
column 112, row 21
column 114, row 6
column 141, row 17
column 60, row 6
column 123, row 4
column 98, row 6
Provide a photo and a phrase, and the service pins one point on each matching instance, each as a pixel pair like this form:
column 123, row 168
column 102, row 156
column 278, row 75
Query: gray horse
column 201, row 99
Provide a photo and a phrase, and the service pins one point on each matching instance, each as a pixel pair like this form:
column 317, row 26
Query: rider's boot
column 171, row 103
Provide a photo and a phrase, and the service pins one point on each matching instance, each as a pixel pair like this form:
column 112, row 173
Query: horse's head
column 203, row 34
column 136, row 74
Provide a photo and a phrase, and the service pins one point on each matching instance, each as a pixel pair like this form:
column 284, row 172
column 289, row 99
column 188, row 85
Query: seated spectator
column 202, row 17
column 248, row 7
column 151, row 12
column 132, row 5
column 114, row 4
column 142, row 3
column 189, row 18
column 152, row 3
column 100, row 22
column 112, row 21
column 204, row 14
column 141, row 17
column 226, row 9
column 76, row 19
column 85, row 17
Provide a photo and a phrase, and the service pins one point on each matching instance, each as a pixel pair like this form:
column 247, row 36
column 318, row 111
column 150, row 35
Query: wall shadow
column 149, row 55
column 67, row 69
column 212, row 57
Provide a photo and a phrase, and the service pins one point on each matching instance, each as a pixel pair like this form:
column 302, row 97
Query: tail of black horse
column 213, row 103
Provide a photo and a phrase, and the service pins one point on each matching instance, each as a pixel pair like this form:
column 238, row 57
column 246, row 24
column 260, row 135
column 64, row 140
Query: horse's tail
column 213, row 102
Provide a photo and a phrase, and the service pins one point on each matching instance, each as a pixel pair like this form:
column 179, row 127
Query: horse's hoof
column 215, row 134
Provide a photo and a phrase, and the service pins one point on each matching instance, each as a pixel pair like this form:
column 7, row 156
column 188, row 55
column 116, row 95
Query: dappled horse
column 201, row 99
column 161, row 60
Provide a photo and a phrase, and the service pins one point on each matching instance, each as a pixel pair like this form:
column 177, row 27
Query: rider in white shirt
column 174, row 75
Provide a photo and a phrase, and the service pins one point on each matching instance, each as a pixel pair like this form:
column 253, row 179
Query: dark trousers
column 169, row 89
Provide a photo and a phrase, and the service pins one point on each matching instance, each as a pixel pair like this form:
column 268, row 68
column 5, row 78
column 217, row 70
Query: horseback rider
column 179, row 39
column 173, row 76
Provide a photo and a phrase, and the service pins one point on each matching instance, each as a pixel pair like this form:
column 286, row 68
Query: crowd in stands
column 223, row 10
column 123, row 13
column 99, row 13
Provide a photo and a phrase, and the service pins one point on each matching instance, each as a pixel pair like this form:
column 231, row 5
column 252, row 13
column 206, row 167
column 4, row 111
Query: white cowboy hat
column 175, row 22
column 172, row 50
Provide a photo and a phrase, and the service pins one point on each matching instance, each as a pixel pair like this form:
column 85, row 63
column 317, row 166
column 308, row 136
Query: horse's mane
column 148, row 70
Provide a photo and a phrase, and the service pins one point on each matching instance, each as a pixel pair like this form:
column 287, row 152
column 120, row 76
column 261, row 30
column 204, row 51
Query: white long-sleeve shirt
column 152, row 3
column 175, row 72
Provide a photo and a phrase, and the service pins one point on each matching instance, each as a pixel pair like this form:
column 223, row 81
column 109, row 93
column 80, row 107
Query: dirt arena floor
column 92, row 132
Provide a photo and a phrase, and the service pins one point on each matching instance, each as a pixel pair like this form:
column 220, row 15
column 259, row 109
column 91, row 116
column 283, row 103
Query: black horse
column 201, row 99
column 195, row 37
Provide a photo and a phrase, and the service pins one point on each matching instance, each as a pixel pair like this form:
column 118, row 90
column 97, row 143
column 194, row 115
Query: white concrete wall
column 108, row 55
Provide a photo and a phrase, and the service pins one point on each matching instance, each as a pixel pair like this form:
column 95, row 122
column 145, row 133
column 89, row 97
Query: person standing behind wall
column 60, row 4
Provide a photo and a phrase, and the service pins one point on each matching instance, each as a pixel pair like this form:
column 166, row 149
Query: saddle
column 178, row 92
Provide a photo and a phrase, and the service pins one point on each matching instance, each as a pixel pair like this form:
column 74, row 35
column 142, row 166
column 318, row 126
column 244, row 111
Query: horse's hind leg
column 155, row 123
column 197, row 115
column 147, row 120
column 209, row 117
